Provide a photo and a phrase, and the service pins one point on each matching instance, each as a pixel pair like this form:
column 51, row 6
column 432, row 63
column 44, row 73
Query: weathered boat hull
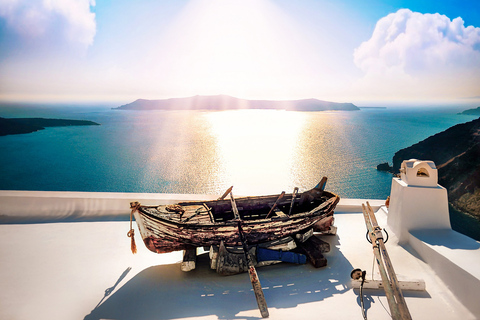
column 164, row 231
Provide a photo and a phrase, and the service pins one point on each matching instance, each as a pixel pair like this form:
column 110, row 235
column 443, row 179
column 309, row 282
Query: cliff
column 223, row 102
column 28, row 125
column 456, row 152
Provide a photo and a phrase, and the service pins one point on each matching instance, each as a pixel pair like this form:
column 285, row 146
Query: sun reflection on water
column 176, row 153
column 325, row 148
column 255, row 148
column 256, row 151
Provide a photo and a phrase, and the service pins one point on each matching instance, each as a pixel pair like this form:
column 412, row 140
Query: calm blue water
column 257, row 151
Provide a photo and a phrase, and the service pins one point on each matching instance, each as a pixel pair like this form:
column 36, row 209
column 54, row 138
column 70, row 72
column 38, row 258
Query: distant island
column 27, row 125
column 456, row 153
column 224, row 102
column 475, row 112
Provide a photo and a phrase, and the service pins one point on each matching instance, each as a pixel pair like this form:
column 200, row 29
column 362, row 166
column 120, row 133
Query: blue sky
column 356, row 51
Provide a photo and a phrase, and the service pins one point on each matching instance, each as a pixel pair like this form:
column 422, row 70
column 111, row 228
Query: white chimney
column 417, row 201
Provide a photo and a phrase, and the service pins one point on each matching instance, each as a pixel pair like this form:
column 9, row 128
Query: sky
column 345, row 50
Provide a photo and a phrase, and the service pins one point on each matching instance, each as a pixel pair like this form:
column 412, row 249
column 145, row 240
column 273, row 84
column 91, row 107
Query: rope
column 131, row 233
column 361, row 296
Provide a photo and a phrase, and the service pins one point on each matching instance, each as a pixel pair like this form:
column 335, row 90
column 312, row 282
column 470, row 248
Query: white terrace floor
column 85, row 270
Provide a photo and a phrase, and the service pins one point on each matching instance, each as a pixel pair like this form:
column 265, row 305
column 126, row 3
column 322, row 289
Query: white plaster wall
column 413, row 207
column 47, row 206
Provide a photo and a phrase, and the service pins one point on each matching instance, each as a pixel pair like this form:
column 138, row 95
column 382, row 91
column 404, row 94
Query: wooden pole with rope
column 378, row 257
column 131, row 233
column 397, row 291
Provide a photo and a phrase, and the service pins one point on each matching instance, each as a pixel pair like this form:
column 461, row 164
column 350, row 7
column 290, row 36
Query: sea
column 205, row 152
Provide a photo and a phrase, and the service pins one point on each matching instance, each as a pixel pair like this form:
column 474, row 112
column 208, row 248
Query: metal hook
column 384, row 241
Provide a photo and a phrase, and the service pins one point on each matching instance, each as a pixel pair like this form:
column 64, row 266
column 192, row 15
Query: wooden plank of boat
column 303, row 236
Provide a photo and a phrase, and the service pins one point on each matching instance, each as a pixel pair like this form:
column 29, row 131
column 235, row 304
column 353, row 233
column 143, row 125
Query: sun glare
column 235, row 47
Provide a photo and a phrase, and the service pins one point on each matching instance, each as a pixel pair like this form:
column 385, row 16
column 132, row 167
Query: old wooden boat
column 186, row 225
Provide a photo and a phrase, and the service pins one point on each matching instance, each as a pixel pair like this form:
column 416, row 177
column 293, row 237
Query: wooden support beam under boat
column 213, row 254
column 189, row 259
column 314, row 248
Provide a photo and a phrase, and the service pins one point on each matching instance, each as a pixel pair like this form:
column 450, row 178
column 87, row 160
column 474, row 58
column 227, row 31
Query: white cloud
column 71, row 19
column 414, row 53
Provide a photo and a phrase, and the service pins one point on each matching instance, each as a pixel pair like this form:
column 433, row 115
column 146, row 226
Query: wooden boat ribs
column 202, row 224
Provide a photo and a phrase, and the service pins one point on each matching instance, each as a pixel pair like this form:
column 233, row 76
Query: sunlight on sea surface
column 256, row 148
column 256, row 151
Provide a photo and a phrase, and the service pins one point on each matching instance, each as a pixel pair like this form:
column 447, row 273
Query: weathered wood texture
column 313, row 248
column 304, row 235
column 324, row 224
column 189, row 259
column 205, row 223
column 165, row 232
column 406, row 285
column 393, row 291
column 229, row 263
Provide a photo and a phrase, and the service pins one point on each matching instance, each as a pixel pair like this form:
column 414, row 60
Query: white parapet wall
column 418, row 215
column 55, row 206
column 51, row 206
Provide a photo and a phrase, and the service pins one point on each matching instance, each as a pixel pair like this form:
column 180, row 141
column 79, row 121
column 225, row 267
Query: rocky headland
column 456, row 153
column 224, row 102
column 27, row 125
column 475, row 112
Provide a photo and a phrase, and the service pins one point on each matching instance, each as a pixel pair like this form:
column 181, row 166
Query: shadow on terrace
column 165, row 292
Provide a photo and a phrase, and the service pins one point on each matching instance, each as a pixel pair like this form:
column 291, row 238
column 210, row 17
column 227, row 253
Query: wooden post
column 189, row 259
column 213, row 257
column 257, row 287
